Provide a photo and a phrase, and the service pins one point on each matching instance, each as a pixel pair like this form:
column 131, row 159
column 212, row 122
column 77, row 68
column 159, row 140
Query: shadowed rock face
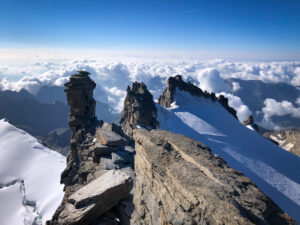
column 139, row 109
column 80, row 98
column 250, row 122
column 82, row 122
column 167, row 98
column 179, row 181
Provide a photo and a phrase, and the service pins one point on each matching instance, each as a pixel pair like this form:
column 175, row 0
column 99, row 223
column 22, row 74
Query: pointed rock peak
column 139, row 109
column 167, row 98
column 250, row 122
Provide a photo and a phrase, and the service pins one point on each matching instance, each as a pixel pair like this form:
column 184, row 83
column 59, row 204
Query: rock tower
column 139, row 109
column 82, row 120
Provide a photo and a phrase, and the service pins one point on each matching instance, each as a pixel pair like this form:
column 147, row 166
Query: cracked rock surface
column 179, row 181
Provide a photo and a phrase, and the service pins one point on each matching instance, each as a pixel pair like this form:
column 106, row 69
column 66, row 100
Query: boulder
column 100, row 150
column 110, row 138
column 95, row 198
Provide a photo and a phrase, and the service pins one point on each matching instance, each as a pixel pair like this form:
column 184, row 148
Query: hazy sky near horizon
column 265, row 26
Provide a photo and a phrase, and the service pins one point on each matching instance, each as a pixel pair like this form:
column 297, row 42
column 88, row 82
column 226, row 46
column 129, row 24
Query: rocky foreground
column 172, row 179
column 179, row 181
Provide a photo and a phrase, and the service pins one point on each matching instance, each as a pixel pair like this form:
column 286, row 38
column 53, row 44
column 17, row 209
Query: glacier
column 30, row 189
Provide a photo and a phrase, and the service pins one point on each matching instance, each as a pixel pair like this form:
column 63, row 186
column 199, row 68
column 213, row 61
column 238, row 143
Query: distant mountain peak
column 167, row 98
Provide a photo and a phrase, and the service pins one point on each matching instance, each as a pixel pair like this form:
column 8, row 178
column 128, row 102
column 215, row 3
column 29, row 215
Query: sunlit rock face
column 179, row 181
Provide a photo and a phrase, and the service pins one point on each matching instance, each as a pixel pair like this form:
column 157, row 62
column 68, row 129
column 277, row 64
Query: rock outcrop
column 139, row 109
column 167, row 98
column 286, row 139
column 96, row 198
column 250, row 122
column 179, row 181
column 82, row 122
column 97, row 183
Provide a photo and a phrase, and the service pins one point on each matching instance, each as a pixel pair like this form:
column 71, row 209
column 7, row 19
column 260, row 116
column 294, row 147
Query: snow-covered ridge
column 30, row 189
column 274, row 170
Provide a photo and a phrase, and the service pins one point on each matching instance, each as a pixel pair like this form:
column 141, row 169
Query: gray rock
column 95, row 198
column 139, row 109
column 109, row 165
column 121, row 157
column 110, row 138
column 100, row 188
column 100, row 150
column 129, row 149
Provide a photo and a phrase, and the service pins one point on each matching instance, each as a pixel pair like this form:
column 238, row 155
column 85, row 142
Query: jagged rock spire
column 80, row 98
column 139, row 109
column 82, row 119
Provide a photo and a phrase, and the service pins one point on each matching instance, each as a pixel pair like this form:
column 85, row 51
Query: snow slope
column 30, row 189
column 274, row 170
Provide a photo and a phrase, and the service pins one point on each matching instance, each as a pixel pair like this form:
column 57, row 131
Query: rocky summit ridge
column 128, row 174
column 179, row 181
column 173, row 83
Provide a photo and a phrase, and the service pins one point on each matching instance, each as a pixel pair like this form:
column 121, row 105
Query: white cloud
column 235, row 86
column 274, row 108
column 209, row 79
column 296, row 79
column 298, row 101
column 112, row 75
column 243, row 112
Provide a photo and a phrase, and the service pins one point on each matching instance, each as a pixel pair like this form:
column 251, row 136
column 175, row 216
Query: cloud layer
column 274, row 108
column 113, row 76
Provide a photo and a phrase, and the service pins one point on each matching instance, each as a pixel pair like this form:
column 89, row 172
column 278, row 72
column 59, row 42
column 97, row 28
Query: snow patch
column 274, row 170
column 31, row 173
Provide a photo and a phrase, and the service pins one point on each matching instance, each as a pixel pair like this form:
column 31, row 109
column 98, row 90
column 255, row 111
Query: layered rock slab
column 95, row 198
column 179, row 181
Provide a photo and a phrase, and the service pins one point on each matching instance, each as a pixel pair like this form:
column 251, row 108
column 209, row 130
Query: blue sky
column 186, row 25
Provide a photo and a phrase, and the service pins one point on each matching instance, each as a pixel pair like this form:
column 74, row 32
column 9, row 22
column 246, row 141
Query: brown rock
column 179, row 181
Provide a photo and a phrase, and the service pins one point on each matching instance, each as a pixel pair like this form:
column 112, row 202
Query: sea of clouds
column 113, row 76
